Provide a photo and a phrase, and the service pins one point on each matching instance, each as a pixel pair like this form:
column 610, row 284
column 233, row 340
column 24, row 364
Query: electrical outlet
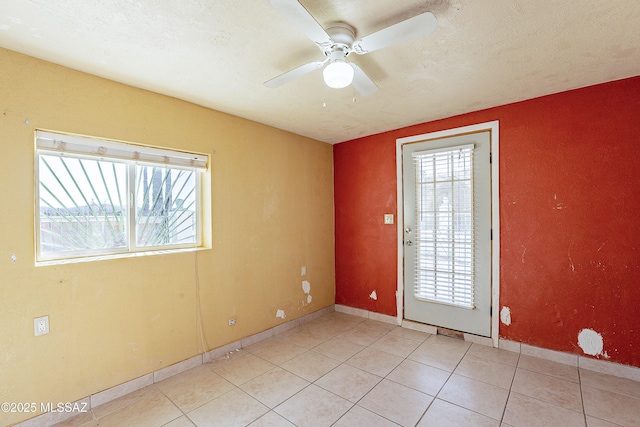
column 232, row 322
column 41, row 325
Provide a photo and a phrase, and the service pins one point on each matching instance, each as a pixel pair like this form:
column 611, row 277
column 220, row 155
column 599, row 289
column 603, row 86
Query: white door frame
column 493, row 127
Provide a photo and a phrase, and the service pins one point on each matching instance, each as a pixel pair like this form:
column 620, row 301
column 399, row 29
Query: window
column 97, row 197
column 444, row 221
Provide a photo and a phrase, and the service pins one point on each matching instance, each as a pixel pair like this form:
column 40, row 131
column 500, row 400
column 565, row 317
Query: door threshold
column 436, row 330
column 451, row 333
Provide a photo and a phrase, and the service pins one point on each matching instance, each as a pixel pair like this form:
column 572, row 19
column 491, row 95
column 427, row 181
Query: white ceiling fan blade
column 294, row 74
column 301, row 18
column 419, row 25
column 363, row 84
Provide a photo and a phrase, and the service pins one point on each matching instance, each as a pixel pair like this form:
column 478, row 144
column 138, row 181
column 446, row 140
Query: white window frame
column 131, row 155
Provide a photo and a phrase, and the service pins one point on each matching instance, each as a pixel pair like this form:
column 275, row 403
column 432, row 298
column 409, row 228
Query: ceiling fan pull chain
column 324, row 96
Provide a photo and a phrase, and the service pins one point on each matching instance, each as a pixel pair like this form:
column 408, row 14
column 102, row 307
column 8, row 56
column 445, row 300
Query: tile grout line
column 341, row 363
column 310, row 382
column 504, row 410
column 443, row 384
column 385, row 377
column 584, row 412
column 557, row 378
column 362, row 397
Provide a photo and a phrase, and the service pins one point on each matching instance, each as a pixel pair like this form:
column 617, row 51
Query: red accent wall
column 569, row 214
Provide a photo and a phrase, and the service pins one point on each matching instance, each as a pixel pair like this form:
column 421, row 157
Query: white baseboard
column 554, row 356
column 610, row 368
column 588, row 363
column 366, row 314
column 352, row 311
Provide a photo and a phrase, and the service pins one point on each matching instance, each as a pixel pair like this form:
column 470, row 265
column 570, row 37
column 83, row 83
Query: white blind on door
column 444, row 239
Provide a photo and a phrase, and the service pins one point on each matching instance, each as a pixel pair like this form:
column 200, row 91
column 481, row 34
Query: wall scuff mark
column 505, row 316
column 373, row 295
column 280, row 314
column 573, row 267
column 306, row 286
column 591, row 342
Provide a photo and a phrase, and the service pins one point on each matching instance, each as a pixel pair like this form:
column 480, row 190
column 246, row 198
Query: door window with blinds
column 96, row 197
column 444, row 215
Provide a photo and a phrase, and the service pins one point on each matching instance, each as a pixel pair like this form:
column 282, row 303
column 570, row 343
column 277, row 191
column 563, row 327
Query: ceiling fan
column 338, row 41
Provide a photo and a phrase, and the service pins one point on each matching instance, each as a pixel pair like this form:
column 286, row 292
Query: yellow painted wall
column 115, row 320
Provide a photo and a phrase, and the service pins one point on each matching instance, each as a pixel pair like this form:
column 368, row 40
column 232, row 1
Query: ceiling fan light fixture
column 338, row 74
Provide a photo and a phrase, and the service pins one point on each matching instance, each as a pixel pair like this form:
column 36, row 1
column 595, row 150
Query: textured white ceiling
column 217, row 53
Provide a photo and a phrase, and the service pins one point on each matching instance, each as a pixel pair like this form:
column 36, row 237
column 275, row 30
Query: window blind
column 64, row 143
column 444, row 240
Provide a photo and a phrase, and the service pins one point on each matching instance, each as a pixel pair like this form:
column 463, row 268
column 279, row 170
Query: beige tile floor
column 342, row 370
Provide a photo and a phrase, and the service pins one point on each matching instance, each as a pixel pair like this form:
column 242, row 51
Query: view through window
column 98, row 197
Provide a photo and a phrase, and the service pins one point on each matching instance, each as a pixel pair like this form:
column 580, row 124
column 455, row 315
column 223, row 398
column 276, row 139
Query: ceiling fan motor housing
column 343, row 36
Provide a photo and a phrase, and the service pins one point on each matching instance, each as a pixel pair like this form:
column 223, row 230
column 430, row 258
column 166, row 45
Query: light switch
column 388, row 218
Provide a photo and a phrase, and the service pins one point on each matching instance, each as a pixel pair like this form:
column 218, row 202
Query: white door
column 447, row 232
